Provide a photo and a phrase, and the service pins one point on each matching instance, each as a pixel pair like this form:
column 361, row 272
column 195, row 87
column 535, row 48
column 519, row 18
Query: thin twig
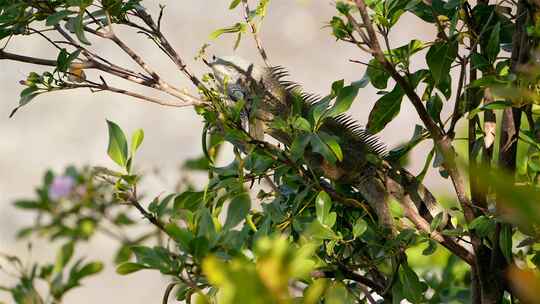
column 151, row 218
column 162, row 85
column 173, row 54
column 455, row 113
column 168, row 291
column 254, row 32
column 350, row 275
column 169, row 103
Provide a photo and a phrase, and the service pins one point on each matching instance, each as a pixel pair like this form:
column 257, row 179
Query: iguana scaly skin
column 364, row 166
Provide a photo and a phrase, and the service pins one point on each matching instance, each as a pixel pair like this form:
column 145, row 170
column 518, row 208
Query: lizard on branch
column 364, row 164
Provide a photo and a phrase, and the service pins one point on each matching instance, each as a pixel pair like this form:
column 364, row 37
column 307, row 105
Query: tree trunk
column 490, row 264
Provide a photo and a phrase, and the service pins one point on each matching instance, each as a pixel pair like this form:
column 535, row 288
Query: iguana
column 364, row 164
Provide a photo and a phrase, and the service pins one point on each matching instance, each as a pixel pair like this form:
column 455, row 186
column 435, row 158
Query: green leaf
column 123, row 254
column 340, row 29
column 299, row 146
column 160, row 208
column 180, row 235
column 117, row 149
column 237, row 28
column 238, row 210
column 206, row 227
column 534, row 162
column 189, row 200
column 430, row 249
column 359, row 227
column 26, row 96
column 385, row 109
column 483, row 226
column 344, row 100
column 261, row 8
column 136, row 140
column 505, row 242
column 343, row 8
column 323, row 203
column 79, row 28
column 440, row 58
column 129, row 267
column 401, row 151
column 479, row 62
column 377, row 75
column 496, row 105
column 403, row 53
column 434, row 107
column 337, row 293
column 319, row 231
column 332, row 143
column 88, row 270
column 458, row 232
column 258, row 162
column 156, row 258
column 493, row 47
column 337, row 86
column 487, row 81
column 521, row 201
column 425, row 169
column 362, row 83
column 55, row 18
column 318, row 146
column 436, row 222
column 319, row 111
column 25, row 204
column 63, row 256
column 237, row 41
column 413, row 289
column 394, row 10
column 200, row 247
column 300, row 123
column 73, row 56
column 234, row 4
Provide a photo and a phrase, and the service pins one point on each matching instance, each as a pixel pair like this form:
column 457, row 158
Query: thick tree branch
column 27, row 59
column 442, row 141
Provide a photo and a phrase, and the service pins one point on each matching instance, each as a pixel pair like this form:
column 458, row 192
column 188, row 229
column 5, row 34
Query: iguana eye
column 236, row 94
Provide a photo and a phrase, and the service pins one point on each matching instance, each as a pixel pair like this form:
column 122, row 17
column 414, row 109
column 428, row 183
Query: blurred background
column 60, row 129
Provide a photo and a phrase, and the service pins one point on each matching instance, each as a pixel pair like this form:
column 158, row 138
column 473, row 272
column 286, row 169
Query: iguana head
column 265, row 96
column 234, row 75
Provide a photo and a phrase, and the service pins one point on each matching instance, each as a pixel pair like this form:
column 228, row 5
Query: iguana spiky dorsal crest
column 350, row 128
column 275, row 97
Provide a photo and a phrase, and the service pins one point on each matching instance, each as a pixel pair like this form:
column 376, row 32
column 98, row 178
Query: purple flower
column 61, row 187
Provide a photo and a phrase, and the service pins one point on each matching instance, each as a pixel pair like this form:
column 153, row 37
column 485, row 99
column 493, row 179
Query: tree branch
column 254, row 32
column 442, row 141
column 412, row 213
column 350, row 275
column 27, row 59
column 173, row 54
column 169, row 103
